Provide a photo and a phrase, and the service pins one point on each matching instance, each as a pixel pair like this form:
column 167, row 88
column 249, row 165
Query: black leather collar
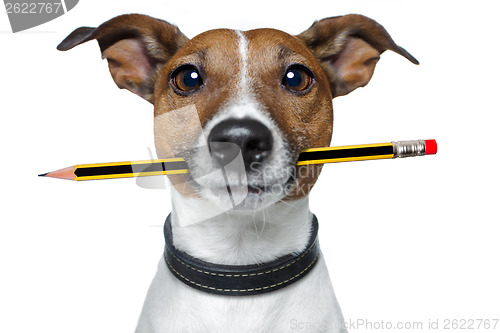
column 240, row 280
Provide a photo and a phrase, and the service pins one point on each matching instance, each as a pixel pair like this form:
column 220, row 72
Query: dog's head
column 265, row 92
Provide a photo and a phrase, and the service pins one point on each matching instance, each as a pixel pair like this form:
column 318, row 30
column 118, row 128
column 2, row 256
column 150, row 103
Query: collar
column 240, row 280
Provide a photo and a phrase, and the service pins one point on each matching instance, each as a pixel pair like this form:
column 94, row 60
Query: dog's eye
column 297, row 79
column 187, row 79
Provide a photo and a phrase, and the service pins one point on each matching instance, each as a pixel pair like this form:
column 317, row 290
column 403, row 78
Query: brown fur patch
column 329, row 38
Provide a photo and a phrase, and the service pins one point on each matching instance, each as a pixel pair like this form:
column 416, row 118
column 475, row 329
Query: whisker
column 285, row 202
column 263, row 222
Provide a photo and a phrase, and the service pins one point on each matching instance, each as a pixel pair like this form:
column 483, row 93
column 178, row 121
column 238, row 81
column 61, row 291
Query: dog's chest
column 171, row 306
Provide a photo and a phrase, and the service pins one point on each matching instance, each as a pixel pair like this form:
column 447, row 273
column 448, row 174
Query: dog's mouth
column 277, row 187
column 251, row 196
column 241, row 187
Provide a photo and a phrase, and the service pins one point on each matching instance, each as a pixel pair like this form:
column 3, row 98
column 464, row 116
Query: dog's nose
column 250, row 136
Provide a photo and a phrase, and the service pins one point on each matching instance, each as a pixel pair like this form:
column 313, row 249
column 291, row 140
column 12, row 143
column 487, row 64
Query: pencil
column 376, row 151
column 173, row 166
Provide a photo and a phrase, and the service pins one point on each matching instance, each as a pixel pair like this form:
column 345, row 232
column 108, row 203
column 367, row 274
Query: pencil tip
column 66, row 173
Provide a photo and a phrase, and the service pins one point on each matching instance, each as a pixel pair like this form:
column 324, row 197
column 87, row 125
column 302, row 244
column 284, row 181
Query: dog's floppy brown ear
column 136, row 47
column 348, row 48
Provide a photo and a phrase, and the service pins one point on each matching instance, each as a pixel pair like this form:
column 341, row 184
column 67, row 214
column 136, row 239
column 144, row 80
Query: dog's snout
column 250, row 136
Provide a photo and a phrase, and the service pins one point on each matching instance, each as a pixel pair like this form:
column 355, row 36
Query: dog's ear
column 348, row 48
column 136, row 47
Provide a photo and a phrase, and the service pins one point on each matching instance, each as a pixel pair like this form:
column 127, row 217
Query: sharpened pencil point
column 66, row 173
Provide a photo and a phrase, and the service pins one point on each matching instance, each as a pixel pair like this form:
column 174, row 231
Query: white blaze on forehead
column 243, row 77
column 244, row 104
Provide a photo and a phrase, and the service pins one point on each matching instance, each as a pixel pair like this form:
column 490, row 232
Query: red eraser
column 431, row 147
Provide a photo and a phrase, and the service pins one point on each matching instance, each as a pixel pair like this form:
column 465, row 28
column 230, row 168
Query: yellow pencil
column 121, row 169
column 311, row 156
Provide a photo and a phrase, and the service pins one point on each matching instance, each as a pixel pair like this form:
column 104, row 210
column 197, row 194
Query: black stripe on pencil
column 130, row 168
column 347, row 152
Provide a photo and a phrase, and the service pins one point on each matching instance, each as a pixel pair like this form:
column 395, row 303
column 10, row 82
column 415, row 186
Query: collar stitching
column 242, row 275
column 240, row 290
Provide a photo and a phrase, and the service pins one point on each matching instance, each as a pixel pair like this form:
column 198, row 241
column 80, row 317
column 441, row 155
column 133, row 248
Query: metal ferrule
column 408, row 148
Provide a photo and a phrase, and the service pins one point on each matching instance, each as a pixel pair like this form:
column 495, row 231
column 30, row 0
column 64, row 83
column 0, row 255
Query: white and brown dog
column 255, row 266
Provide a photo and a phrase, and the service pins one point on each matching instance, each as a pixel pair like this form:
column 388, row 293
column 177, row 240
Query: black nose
column 250, row 136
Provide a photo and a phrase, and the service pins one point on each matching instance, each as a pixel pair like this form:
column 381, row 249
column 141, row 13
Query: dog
column 248, row 261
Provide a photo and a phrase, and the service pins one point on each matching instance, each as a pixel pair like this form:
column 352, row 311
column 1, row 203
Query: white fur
column 172, row 306
column 244, row 76
column 239, row 238
column 262, row 231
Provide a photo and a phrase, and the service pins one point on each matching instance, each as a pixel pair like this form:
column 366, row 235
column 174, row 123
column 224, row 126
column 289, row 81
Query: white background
column 405, row 240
